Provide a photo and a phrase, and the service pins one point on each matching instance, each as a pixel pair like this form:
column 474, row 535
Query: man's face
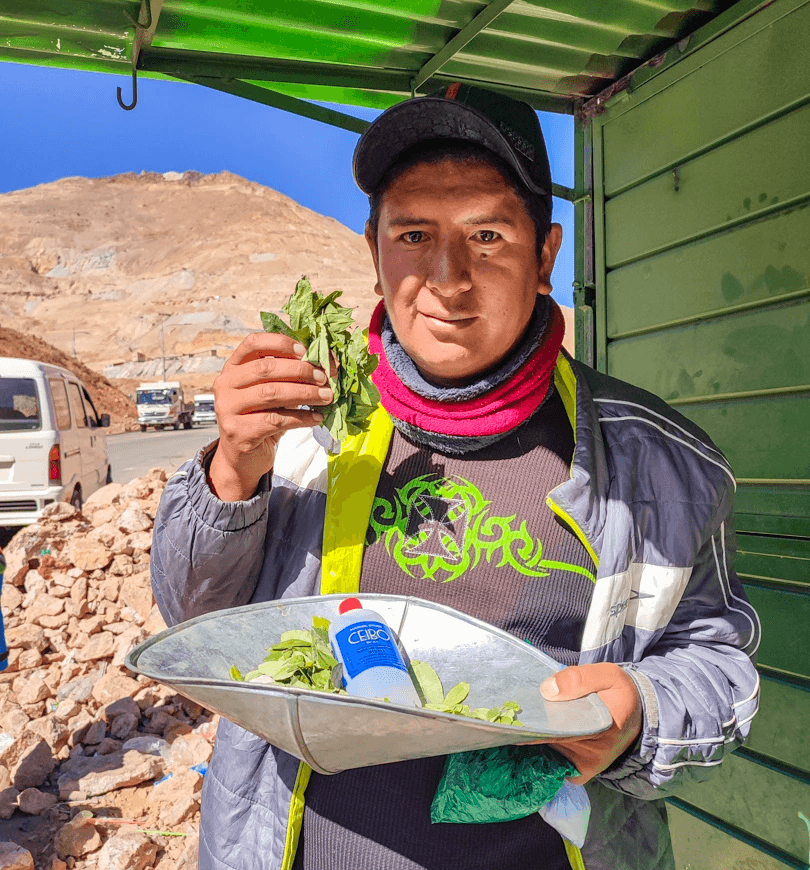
column 457, row 267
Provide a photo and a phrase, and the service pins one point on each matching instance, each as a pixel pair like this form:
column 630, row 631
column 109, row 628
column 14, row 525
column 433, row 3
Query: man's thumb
column 566, row 685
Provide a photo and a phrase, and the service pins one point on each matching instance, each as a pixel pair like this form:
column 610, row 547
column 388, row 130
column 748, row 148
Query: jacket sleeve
column 206, row 554
column 698, row 683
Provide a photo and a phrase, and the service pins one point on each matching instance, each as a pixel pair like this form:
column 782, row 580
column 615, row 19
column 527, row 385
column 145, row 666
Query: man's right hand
column 258, row 397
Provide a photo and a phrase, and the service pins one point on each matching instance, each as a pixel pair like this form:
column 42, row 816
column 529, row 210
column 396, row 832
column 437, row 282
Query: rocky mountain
column 112, row 270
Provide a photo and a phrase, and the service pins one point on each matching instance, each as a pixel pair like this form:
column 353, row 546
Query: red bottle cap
column 349, row 604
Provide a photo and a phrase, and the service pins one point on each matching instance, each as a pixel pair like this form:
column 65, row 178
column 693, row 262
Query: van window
column 92, row 413
column 60, row 403
column 76, row 404
column 19, row 405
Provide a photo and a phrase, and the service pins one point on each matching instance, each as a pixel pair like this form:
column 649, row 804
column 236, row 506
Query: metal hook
column 121, row 103
column 138, row 26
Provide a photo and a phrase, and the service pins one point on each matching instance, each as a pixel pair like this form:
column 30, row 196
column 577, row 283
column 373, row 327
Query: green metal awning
column 371, row 53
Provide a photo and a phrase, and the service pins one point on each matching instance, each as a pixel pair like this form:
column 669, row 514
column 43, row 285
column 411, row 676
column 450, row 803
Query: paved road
column 134, row 453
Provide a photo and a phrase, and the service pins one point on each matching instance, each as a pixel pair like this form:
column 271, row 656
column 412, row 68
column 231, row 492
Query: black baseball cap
column 507, row 127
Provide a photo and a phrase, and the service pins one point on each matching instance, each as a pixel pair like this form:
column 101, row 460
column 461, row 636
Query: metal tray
column 332, row 733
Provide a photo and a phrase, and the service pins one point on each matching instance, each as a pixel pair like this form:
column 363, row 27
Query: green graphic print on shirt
column 440, row 526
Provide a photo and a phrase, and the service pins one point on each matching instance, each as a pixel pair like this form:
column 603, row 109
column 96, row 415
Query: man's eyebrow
column 407, row 221
column 478, row 220
column 475, row 221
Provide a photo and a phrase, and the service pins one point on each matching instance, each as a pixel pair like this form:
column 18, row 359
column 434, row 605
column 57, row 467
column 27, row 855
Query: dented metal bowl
column 332, row 733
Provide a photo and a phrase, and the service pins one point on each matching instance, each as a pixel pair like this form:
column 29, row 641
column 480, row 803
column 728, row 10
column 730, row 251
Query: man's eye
column 486, row 235
column 414, row 236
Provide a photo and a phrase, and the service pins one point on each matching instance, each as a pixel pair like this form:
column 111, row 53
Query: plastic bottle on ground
column 373, row 666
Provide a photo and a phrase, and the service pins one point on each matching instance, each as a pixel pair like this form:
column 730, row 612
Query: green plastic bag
column 498, row 785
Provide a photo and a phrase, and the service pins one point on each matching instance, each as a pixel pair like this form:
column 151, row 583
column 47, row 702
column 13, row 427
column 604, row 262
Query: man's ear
column 550, row 250
column 371, row 241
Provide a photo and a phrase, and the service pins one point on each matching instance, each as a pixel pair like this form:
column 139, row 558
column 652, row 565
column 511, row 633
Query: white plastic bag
column 569, row 812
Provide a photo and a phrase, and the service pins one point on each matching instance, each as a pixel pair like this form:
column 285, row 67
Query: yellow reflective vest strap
column 352, row 485
column 574, row 856
column 353, row 477
column 566, row 383
column 296, row 815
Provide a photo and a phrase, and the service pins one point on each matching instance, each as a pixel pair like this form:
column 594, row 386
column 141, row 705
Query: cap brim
column 419, row 120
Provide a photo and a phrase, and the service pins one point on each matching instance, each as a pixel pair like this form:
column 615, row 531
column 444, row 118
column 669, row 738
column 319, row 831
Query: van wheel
column 76, row 499
column 188, row 424
column 143, row 427
column 109, row 475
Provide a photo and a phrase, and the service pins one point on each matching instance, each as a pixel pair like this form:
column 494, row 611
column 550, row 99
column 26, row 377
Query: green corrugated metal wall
column 702, row 270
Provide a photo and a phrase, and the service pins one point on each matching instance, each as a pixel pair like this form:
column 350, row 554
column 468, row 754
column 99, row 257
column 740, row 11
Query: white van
column 53, row 446
column 204, row 409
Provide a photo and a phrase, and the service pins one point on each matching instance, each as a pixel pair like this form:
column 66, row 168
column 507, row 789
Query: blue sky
column 58, row 123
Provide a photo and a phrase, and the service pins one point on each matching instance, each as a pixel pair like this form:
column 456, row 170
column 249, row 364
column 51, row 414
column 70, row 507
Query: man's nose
column 449, row 271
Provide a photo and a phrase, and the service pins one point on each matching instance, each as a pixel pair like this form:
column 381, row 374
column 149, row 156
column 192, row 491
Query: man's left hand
column 592, row 755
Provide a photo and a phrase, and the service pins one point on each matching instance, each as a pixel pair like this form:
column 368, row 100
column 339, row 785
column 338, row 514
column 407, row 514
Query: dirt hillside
column 107, row 398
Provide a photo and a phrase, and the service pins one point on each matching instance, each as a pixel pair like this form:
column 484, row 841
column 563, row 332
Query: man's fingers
column 273, row 368
column 579, row 681
column 254, row 428
column 259, row 344
column 276, row 395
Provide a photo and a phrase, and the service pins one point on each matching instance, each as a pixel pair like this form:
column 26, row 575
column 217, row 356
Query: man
column 575, row 511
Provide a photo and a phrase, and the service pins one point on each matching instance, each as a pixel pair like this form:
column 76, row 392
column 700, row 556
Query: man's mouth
column 448, row 318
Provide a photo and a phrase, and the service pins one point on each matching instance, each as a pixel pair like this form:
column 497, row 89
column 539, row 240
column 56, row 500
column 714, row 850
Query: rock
column 134, row 519
column 29, row 658
column 30, row 689
column 11, row 599
column 190, row 857
column 26, row 636
column 104, row 515
column 8, row 795
column 14, row 721
column 137, row 594
column 76, row 690
column 88, row 554
column 188, row 750
column 115, row 686
column 130, row 850
column 27, row 758
column 59, row 511
column 122, row 705
column 95, row 733
column 137, row 488
column 35, row 802
column 178, row 796
column 51, row 729
column 123, row 725
column 99, row 646
column 59, row 864
column 77, row 838
column 108, row 745
column 105, row 534
column 29, row 543
column 45, row 605
column 103, row 497
column 88, row 777
column 14, row 857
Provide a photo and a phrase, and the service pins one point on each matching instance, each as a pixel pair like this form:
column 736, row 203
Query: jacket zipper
column 574, row 526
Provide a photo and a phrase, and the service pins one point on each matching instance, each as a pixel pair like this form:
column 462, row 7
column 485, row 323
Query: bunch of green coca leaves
column 323, row 327
column 303, row 659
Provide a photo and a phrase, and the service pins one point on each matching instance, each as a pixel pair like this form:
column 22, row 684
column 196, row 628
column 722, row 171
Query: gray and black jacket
column 649, row 494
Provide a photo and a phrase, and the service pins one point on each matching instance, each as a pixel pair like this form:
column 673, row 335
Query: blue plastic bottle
column 372, row 663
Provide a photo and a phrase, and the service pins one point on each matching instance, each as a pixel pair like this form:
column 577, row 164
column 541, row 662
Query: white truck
column 160, row 404
column 204, row 409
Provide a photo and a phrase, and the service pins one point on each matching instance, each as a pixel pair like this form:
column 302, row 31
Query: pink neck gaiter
column 495, row 412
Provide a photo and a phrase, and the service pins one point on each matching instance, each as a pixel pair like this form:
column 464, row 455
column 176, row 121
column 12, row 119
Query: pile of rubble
column 110, row 763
